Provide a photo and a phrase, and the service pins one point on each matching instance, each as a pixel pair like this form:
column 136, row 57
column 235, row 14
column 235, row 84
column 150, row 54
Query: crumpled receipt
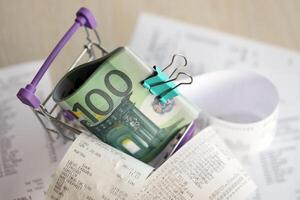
column 93, row 170
column 204, row 168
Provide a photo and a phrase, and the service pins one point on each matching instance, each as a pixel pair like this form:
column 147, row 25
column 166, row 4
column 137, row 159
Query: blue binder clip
column 158, row 77
column 172, row 90
column 160, row 84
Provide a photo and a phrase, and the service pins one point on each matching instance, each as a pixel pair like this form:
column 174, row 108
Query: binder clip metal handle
column 172, row 91
column 160, row 75
column 85, row 18
column 160, row 84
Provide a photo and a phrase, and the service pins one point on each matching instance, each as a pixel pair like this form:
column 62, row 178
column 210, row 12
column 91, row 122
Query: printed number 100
column 115, row 91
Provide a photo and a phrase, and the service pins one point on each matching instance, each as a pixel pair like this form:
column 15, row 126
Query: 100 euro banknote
column 107, row 97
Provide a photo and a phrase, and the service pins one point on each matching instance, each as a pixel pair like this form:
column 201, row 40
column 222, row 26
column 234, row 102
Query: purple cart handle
column 84, row 17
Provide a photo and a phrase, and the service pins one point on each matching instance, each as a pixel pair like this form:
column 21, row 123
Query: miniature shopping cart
column 52, row 117
column 61, row 123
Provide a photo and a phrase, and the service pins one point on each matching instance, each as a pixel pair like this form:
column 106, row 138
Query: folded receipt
column 94, row 170
column 204, row 168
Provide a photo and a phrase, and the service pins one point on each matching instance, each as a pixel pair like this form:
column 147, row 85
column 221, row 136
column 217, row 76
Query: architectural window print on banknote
column 108, row 98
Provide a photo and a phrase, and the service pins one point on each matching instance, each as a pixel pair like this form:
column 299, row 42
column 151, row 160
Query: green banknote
column 107, row 97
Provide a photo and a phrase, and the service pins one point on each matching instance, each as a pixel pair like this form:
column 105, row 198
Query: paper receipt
column 93, row 170
column 204, row 168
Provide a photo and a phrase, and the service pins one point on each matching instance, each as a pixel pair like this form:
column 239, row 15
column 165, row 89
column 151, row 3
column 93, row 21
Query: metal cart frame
column 53, row 118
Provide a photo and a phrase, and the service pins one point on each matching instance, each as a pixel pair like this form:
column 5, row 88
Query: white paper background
column 276, row 170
